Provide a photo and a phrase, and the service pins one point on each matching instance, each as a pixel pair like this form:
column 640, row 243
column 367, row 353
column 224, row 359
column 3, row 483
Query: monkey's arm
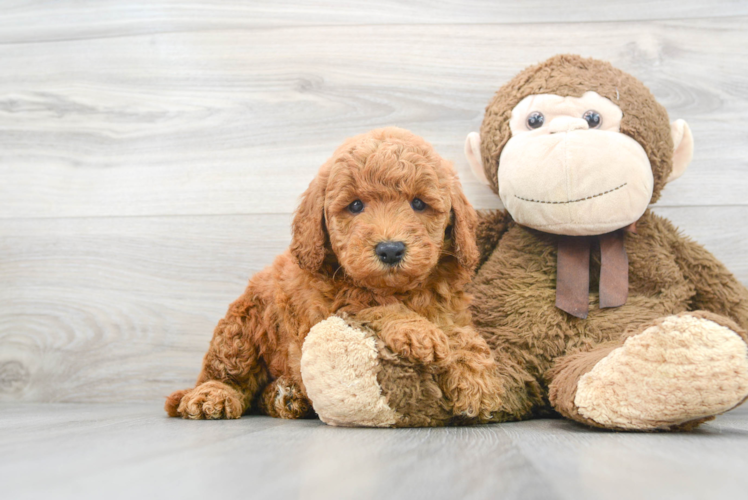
column 717, row 289
column 492, row 224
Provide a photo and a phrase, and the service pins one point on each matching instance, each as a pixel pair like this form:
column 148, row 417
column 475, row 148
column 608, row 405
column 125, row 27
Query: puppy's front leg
column 458, row 357
column 232, row 374
column 407, row 333
column 471, row 380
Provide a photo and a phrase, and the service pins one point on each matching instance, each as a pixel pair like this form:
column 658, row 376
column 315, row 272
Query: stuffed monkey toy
column 594, row 307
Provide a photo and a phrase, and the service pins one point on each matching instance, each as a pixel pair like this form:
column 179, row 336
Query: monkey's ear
column 682, row 148
column 472, row 153
column 308, row 241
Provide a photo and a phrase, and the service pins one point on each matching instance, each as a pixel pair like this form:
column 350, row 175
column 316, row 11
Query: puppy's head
column 388, row 210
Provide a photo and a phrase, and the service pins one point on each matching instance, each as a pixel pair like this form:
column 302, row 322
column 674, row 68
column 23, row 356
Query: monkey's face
column 568, row 169
column 567, row 160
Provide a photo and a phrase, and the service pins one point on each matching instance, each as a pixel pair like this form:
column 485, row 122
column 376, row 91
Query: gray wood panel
column 122, row 309
column 32, row 21
column 135, row 451
column 237, row 122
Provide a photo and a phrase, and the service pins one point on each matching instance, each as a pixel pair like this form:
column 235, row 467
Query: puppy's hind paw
column 284, row 399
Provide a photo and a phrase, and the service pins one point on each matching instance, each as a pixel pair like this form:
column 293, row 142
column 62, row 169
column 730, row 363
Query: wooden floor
column 63, row 451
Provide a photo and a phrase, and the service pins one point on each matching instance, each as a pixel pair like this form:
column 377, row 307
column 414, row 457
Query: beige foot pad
column 683, row 369
column 339, row 367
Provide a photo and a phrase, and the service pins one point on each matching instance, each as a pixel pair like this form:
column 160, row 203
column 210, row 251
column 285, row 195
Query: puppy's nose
column 390, row 252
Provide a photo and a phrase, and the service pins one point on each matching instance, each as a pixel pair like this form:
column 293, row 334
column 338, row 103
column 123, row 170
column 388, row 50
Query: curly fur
column 418, row 308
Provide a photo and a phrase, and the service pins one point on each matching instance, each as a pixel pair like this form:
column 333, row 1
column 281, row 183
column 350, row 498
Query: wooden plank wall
column 151, row 153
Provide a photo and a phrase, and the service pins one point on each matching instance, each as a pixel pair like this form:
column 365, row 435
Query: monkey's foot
column 675, row 374
column 339, row 367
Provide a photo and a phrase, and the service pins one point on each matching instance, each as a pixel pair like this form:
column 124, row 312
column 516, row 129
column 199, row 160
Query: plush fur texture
column 417, row 311
column 677, row 292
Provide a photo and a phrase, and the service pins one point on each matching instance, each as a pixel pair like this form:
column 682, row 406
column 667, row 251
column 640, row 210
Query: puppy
column 383, row 236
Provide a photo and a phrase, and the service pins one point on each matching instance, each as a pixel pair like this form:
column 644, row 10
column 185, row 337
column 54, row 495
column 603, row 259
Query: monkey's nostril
column 390, row 252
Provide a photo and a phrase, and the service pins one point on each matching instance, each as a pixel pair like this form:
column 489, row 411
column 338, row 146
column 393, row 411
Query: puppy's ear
column 308, row 241
column 464, row 224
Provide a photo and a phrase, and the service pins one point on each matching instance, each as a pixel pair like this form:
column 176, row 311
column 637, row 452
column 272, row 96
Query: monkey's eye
column 418, row 205
column 356, row 207
column 593, row 118
column 535, row 120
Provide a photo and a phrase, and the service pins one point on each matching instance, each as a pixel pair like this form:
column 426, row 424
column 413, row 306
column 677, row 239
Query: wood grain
column 120, row 309
column 29, row 22
column 237, row 122
column 135, row 451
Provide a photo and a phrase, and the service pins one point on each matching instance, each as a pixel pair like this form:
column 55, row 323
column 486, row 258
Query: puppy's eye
column 535, row 120
column 418, row 205
column 356, row 207
column 593, row 118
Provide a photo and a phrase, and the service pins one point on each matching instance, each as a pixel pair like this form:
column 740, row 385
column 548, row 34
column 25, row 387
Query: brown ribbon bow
column 573, row 272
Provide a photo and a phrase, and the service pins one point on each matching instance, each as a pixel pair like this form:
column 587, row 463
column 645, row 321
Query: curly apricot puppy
column 384, row 237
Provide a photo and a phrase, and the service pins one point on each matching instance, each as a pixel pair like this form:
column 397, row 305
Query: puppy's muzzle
column 390, row 252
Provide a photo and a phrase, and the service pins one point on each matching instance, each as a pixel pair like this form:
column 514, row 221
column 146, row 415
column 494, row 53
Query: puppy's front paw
column 212, row 400
column 477, row 399
column 474, row 390
column 417, row 340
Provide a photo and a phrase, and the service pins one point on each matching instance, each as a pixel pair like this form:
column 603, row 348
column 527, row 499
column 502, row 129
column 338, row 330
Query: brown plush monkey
column 593, row 306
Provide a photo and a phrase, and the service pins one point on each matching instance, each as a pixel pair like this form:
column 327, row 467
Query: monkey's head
column 575, row 146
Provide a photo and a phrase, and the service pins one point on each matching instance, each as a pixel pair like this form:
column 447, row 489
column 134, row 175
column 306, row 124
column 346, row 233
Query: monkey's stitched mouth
column 572, row 201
